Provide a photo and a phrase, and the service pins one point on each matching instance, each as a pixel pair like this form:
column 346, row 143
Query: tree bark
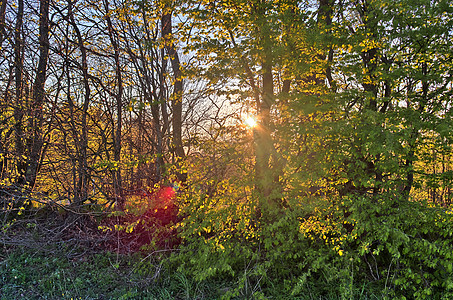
column 146, row 62
column 18, row 108
column 37, row 115
column 117, row 182
column 81, row 192
column 268, row 165
column 177, row 96
column 2, row 21
column 325, row 14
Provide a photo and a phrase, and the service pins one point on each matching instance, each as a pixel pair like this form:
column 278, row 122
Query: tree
column 113, row 36
column 149, row 68
column 177, row 97
column 248, row 49
column 389, row 97
column 36, row 144
column 20, row 101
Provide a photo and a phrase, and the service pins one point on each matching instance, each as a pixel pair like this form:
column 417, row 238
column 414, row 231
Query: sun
column 251, row 122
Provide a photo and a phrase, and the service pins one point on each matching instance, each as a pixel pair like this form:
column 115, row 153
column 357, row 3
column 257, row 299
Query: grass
column 47, row 274
column 51, row 274
column 28, row 274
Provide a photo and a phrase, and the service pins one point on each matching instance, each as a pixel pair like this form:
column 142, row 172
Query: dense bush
column 353, row 246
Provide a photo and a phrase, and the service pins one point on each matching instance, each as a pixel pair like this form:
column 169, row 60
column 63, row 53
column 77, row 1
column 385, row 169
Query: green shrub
column 348, row 247
column 404, row 248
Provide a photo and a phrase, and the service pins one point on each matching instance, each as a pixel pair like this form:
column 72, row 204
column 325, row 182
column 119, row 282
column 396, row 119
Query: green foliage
column 412, row 244
column 356, row 147
column 403, row 247
column 353, row 246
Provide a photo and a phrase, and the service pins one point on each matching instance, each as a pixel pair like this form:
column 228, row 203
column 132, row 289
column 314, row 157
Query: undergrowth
column 352, row 249
column 30, row 274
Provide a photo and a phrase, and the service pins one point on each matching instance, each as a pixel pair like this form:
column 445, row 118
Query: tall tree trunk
column 157, row 100
column 19, row 106
column 411, row 157
column 2, row 21
column 325, row 14
column 267, row 164
column 369, row 57
column 146, row 63
column 117, row 184
column 81, row 193
column 157, row 109
column 71, row 119
column 177, row 98
column 37, row 116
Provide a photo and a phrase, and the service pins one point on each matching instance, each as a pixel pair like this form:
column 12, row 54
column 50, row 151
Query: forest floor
column 65, row 256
